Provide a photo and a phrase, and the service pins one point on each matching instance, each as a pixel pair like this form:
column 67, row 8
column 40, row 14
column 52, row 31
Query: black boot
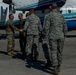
column 48, row 64
column 58, row 68
column 29, row 57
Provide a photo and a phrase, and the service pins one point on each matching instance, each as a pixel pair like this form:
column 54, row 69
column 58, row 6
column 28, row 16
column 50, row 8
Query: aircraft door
column 3, row 14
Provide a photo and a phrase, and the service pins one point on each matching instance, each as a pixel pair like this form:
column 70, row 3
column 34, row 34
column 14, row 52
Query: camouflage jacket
column 21, row 24
column 45, row 23
column 56, row 25
column 33, row 25
column 10, row 27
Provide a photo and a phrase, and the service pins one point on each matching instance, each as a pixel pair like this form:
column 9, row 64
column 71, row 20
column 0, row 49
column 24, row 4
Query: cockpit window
column 69, row 11
column 60, row 11
column 69, row 8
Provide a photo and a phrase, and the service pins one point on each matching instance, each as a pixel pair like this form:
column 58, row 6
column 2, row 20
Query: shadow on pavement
column 3, row 52
column 39, row 65
column 71, row 36
column 19, row 56
column 3, row 36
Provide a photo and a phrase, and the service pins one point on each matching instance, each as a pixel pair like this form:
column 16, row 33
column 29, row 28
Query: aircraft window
column 69, row 11
column 14, row 11
column 61, row 11
column 23, row 12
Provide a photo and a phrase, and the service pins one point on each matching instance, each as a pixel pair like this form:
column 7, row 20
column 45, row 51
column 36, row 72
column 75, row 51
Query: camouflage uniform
column 22, row 38
column 33, row 27
column 57, row 30
column 10, row 35
column 45, row 39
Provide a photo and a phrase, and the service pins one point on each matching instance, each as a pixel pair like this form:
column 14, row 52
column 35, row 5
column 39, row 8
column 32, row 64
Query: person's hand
column 21, row 30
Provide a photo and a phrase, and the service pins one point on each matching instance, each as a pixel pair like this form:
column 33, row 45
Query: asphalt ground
column 17, row 65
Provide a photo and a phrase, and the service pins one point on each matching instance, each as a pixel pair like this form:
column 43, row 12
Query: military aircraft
column 27, row 4
column 5, row 10
column 66, row 7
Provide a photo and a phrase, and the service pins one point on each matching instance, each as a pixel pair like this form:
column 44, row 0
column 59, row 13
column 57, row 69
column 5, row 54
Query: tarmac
column 10, row 65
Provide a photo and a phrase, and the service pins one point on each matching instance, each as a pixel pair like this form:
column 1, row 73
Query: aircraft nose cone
column 7, row 1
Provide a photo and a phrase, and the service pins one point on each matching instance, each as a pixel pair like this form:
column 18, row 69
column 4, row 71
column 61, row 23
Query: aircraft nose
column 7, row 1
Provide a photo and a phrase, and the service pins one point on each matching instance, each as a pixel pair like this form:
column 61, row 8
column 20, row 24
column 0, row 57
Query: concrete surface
column 18, row 66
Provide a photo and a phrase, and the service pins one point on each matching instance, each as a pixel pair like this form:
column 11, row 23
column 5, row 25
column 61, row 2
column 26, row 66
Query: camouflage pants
column 22, row 41
column 45, row 45
column 11, row 42
column 56, row 47
column 32, row 41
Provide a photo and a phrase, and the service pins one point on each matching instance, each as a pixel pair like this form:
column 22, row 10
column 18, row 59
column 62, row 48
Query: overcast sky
column 71, row 1
column 0, row 0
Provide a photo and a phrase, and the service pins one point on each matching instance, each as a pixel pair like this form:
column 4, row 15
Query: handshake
column 21, row 30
